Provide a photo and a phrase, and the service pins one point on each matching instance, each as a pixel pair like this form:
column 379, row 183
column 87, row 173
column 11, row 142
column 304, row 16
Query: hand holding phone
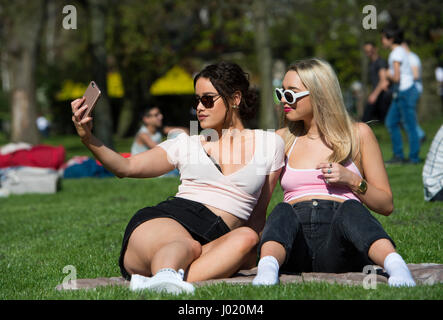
column 92, row 94
column 82, row 108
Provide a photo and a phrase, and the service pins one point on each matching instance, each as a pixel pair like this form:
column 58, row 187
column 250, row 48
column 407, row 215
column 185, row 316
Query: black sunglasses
column 207, row 101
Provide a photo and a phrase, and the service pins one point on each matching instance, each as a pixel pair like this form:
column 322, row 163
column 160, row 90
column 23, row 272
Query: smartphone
column 92, row 94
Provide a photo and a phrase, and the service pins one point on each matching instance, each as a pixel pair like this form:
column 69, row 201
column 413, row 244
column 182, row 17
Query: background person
column 439, row 78
column 404, row 102
column 151, row 132
column 380, row 97
column 433, row 169
column 415, row 63
column 43, row 125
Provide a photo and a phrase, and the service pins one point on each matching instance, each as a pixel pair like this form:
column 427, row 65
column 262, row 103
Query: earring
column 235, row 106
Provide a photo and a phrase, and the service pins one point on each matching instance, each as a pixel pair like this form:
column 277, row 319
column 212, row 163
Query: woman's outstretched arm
column 151, row 163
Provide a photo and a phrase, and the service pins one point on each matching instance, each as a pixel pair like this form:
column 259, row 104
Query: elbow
column 384, row 209
column 121, row 174
column 387, row 212
column 124, row 170
column 388, row 209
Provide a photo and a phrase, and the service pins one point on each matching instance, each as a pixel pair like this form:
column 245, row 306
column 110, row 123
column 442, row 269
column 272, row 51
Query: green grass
column 83, row 225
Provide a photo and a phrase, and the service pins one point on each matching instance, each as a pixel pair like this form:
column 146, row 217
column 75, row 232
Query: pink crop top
column 297, row 183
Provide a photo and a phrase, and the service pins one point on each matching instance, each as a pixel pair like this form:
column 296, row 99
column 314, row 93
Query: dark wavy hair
column 393, row 33
column 228, row 78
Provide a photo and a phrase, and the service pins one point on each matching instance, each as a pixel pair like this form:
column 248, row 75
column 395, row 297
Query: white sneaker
column 401, row 282
column 138, row 282
column 166, row 280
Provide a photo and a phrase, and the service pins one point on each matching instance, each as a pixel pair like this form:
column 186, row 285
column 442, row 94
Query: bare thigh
column 149, row 237
column 223, row 256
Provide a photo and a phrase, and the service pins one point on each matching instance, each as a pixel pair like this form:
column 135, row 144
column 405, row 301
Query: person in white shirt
column 439, row 78
column 43, row 125
column 151, row 132
column 404, row 100
column 433, row 169
column 211, row 227
column 415, row 63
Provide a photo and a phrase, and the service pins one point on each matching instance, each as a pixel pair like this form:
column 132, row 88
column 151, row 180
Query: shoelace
column 180, row 273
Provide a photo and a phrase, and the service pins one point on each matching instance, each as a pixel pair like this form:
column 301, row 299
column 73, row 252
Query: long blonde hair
column 334, row 123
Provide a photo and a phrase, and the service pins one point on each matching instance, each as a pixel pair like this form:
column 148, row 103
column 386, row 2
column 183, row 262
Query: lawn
column 83, row 225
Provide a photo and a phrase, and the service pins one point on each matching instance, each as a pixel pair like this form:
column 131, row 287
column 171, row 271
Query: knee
column 351, row 212
column 192, row 247
column 245, row 239
column 195, row 247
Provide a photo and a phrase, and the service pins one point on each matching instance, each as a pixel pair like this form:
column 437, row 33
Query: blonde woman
column 333, row 168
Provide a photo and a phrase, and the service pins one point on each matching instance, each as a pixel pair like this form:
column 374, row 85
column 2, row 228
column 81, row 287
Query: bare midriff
column 321, row 197
column 231, row 221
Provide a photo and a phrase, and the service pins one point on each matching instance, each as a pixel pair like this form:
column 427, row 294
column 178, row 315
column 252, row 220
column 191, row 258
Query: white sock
column 399, row 274
column 267, row 272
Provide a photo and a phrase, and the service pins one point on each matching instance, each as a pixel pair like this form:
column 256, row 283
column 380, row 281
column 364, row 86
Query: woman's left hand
column 336, row 173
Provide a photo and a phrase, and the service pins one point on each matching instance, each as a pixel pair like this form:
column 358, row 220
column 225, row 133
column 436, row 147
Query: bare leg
column 379, row 250
column 224, row 256
column 275, row 249
column 160, row 243
column 382, row 252
column 272, row 256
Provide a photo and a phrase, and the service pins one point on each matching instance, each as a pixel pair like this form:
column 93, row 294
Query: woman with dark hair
column 210, row 228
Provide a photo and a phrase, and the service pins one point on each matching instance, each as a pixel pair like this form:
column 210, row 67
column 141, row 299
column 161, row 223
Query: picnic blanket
column 423, row 273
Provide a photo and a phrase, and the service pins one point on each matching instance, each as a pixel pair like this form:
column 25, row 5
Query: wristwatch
column 362, row 187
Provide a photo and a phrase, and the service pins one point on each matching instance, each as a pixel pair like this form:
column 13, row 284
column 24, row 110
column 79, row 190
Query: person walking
column 404, row 102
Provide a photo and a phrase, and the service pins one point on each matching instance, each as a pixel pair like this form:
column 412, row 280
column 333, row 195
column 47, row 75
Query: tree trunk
column 24, row 20
column 102, row 114
column 51, row 23
column 267, row 116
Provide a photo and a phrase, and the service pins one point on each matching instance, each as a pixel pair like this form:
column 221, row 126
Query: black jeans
column 323, row 235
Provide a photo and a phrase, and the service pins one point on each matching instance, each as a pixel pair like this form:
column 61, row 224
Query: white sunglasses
column 290, row 96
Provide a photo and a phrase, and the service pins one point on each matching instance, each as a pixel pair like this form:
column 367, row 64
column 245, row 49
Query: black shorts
column 203, row 225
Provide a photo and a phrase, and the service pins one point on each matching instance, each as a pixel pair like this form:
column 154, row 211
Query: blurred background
column 144, row 53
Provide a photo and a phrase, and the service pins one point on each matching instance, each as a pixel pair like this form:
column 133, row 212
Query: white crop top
column 236, row 193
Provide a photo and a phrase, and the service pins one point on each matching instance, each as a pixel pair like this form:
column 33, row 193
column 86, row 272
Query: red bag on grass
column 41, row 156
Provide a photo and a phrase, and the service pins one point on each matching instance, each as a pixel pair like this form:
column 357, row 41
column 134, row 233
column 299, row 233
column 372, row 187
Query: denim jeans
column 323, row 235
column 403, row 108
